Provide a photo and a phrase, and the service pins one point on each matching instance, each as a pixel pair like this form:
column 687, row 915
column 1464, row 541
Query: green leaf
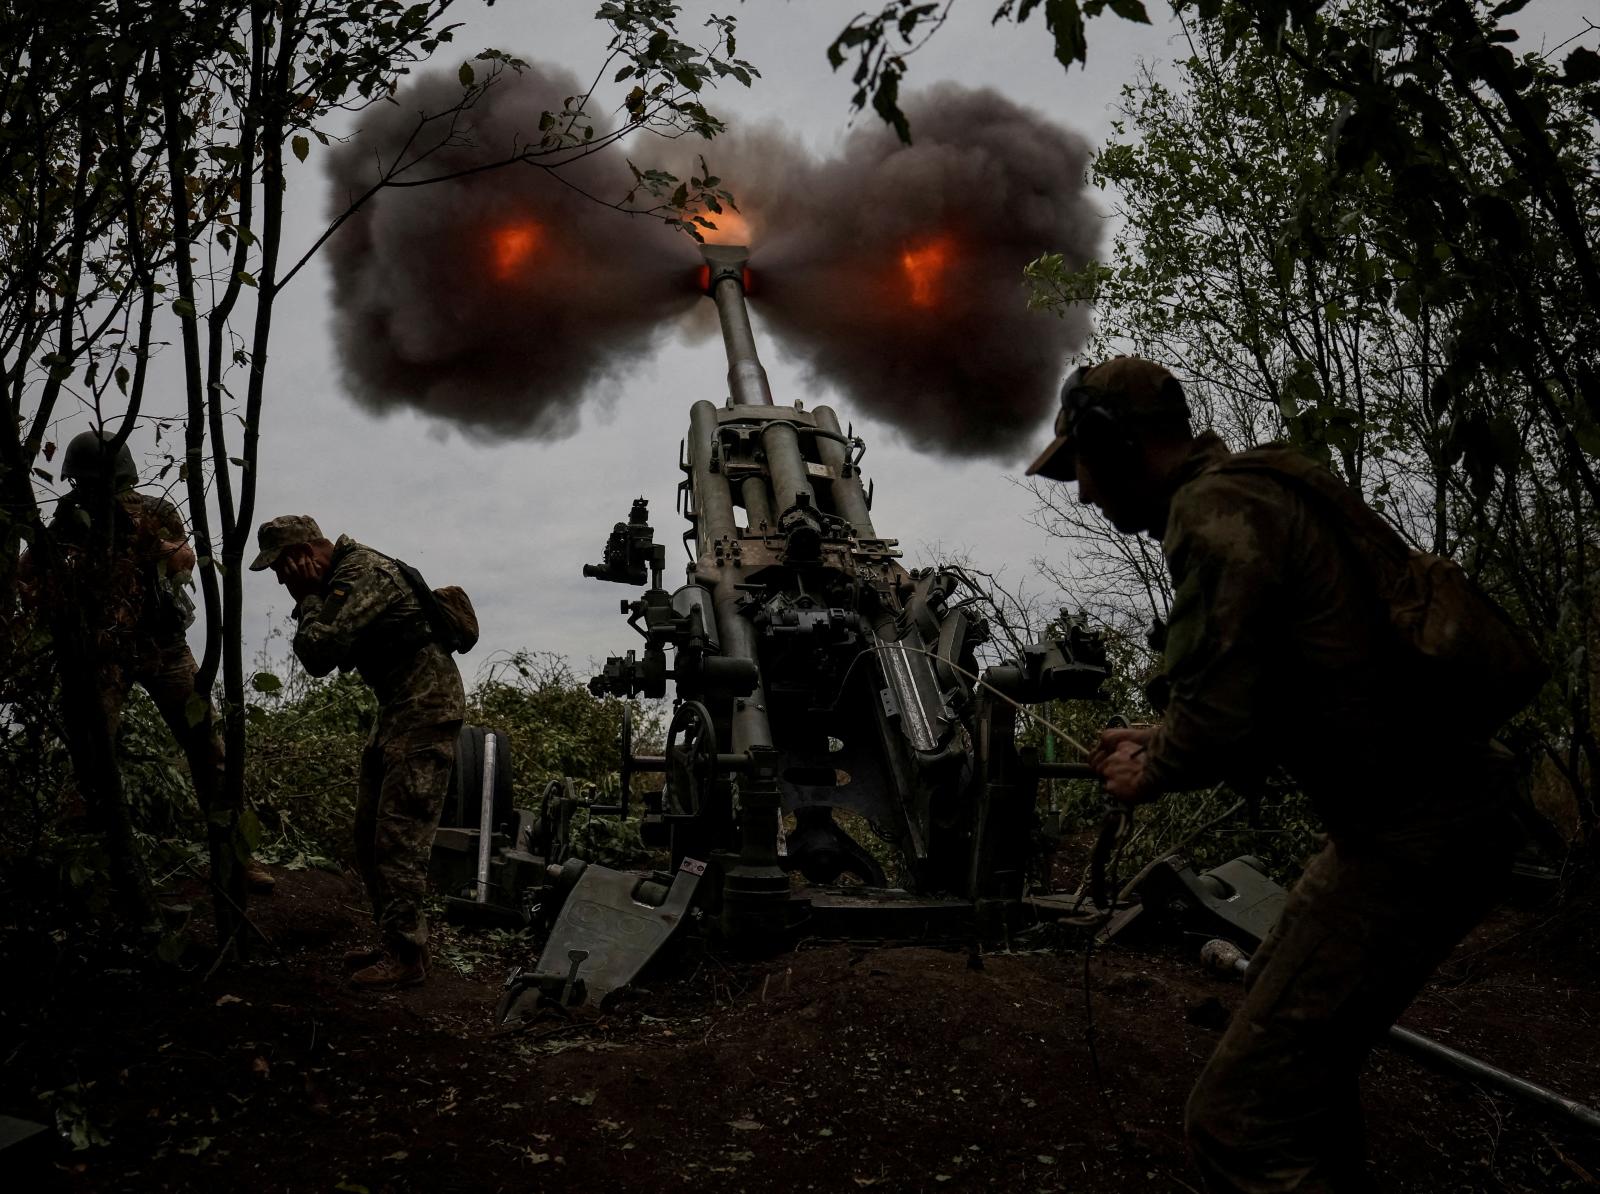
column 886, row 103
column 301, row 147
column 184, row 308
column 266, row 682
column 914, row 16
column 1581, row 66
column 249, row 834
column 196, row 709
column 465, row 74
column 1065, row 20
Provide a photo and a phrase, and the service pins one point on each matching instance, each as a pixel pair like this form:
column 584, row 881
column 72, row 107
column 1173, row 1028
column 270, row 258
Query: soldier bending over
column 356, row 610
column 1279, row 653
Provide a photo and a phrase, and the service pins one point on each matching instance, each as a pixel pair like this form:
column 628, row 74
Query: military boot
column 364, row 955
column 258, row 880
column 394, row 970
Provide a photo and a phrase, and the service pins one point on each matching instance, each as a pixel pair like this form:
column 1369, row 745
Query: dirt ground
column 833, row 1066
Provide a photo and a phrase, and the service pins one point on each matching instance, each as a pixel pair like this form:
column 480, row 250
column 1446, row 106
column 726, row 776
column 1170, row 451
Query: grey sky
column 514, row 521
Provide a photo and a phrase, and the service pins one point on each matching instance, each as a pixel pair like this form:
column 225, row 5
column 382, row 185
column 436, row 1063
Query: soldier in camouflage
column 355, row 610
column 1278, row 653
column 144, row 609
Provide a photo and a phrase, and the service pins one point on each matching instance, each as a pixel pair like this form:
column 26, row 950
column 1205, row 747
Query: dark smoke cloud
column 501, row 299
column 955, row 360
column 427, row 317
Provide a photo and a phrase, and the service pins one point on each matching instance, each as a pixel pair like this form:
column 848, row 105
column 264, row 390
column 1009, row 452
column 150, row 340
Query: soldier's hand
column 1111, row 738
column 300, row 576
column 1123, row 774
column 179, row 555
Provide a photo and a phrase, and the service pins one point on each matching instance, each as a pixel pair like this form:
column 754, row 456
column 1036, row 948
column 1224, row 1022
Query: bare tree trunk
column 222, row 822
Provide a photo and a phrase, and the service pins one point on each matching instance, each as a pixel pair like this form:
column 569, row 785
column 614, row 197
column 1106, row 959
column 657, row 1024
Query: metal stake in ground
column 1224, row 957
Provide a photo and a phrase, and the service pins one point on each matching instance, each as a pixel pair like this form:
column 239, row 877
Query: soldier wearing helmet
column 91, row 460
column 144, row 609
column 1279, row 653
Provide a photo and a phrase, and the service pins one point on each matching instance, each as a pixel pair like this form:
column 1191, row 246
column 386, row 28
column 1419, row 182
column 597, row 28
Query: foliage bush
column 306, row 738
column 53, row 861
column 307, row 734
column 1398, row 297
column 305, row 743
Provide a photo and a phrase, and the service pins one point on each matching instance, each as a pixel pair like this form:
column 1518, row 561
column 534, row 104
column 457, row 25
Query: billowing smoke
column 502, row 298
column 895, row 272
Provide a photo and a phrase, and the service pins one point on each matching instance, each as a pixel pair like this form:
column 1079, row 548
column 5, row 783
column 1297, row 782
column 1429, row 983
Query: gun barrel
column 747, row 379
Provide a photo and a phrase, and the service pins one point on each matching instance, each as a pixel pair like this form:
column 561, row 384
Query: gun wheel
column 691, row 759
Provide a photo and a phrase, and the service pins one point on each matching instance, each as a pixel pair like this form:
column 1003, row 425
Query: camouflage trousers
column 403, row 784
column 1277, row 1107
column 166, row 670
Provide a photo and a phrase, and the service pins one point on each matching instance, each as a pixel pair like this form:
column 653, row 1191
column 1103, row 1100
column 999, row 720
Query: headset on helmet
column 1105, row 421
column 1086, row 419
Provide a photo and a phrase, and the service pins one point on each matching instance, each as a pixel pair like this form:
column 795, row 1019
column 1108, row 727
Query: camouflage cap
column 1131, row 388
column 286, row 530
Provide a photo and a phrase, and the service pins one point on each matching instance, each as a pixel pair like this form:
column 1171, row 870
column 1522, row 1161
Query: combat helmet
column 89, row 460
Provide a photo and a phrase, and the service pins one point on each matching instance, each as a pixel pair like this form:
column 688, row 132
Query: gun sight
column 630, row 552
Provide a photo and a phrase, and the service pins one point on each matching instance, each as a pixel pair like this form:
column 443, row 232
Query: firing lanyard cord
column 1123, row 836
column 1122, row 839
column 976, row 679
column 1106, row 913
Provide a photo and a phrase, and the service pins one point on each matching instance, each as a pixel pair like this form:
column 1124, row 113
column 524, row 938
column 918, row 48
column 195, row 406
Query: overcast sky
column 513, row 522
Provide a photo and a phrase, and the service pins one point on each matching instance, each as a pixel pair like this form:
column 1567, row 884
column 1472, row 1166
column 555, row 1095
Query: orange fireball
column 731, row 227
column 925, row 267
column 512, row 246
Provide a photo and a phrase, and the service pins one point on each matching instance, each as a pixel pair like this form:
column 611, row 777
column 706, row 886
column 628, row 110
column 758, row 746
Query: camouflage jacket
column 367, row 618
column 144, row 600
column 1277, row 653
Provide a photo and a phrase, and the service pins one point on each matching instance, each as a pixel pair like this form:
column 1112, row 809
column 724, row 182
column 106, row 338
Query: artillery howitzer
column 811, row 673
column 814, row 673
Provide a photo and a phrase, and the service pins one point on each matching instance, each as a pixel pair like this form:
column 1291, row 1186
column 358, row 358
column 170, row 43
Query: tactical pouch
column 448, row 611
column 456, row 608
column 1473, row 662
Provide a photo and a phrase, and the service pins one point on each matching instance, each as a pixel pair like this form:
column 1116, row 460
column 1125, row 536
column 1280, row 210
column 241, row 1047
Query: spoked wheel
column 691, row 760
column 553, row 835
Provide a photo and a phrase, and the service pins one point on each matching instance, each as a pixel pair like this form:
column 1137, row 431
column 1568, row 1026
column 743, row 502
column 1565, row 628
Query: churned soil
column 831, row 1066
